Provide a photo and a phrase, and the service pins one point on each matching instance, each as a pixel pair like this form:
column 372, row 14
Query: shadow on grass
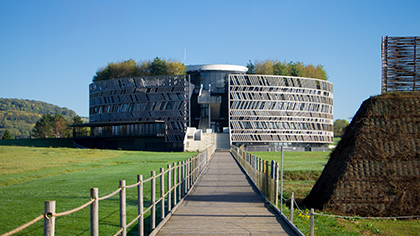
column 40, row 142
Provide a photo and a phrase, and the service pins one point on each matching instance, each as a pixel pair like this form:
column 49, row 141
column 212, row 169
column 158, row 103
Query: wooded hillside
column 19, row 116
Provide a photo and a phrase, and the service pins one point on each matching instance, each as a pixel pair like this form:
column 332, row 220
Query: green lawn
column 301, row 169
column 31, row 175
column 298, row 161
column 33, row 171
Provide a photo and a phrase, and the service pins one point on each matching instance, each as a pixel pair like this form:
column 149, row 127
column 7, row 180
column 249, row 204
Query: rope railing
column 181, row 178
column 254, row 166
column 22, row 227
column 312, row 214
column 354, row 217
column 73, row 210
column 264, row 174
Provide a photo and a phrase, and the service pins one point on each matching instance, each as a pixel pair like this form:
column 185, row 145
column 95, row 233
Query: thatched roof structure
column 375, row 169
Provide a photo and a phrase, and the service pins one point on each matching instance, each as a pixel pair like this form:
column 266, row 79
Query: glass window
column 213, row 79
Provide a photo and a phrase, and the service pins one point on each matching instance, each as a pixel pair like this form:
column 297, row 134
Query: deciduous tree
column 122, row 69
column 50, row 126
column 264, row 67
column 175, row 67
column 340, row 127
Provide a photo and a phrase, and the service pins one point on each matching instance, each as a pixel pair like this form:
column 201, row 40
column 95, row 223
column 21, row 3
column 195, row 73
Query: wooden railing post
column 195, row 169
column 49, row 218
column 140, row 204
column 276, row 184
column 281, row 180
column 292, row 206
column 123, row 213
column 153, row 198
column 94, row 213
column 162, row 194
column 272, row 169
column 175, row 182
column 267, row 176
column 191, row 173
column 312, row 222
column 169, row 188
column 185, row 178
column 179, row 181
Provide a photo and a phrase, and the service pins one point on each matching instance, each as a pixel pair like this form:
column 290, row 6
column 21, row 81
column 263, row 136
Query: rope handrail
column 183, row 165
column 118, row 232
column 24, row 226
column 356, row 217
column 73, row 210
column 254, row 163
column 286, row 199
column 368, row 218
column 135, row 219
column 188, row 161
column 134, row 185
column 47, row 217
column 110, row 195
column 148, row 209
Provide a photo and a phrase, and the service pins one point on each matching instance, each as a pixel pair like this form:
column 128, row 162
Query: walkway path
column 224, row 203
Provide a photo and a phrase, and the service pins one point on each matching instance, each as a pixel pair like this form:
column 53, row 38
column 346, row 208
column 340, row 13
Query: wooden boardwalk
column 225, row 203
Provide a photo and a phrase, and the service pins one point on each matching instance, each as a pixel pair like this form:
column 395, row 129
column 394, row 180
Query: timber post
column 162, row 193
column 123, row 210
column 94, row 213
column 169, row 188
column 312, row 222
column 292, row 206
column 49, row 218
column 140, row 204
column 153, row 198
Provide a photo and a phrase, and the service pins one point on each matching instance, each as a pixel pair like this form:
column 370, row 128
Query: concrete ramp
column 225, row 203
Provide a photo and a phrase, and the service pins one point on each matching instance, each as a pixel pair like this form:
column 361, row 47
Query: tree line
column 129, row 68
column 158, row 66
column 275, row 67
column 54, row 126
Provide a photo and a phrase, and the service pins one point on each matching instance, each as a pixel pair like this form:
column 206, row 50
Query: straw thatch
column 375, row 169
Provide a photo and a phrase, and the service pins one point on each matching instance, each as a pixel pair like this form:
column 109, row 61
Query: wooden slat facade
column 282, row 109
column 400, row 64
column 142, row 99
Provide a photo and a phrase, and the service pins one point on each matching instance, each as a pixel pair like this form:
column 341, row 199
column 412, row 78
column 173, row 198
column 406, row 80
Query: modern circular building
column 280, row 111
column 155, row 112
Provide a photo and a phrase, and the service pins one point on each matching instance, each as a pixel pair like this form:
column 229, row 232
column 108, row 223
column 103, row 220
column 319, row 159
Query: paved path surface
column 224, row 203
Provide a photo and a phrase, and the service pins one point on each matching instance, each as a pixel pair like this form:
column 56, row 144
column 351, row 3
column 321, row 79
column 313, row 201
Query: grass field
column 33, row 171
column 31, row 175
column 301, row 170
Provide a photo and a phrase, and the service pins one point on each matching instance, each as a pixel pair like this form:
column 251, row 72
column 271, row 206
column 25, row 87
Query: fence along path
column 224, row 202
column 180, row 178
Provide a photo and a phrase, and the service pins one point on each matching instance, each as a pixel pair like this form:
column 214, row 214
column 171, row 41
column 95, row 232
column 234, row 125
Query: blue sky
column 50, row 50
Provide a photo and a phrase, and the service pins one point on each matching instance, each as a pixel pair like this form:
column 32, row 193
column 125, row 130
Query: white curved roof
column 217, row 67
